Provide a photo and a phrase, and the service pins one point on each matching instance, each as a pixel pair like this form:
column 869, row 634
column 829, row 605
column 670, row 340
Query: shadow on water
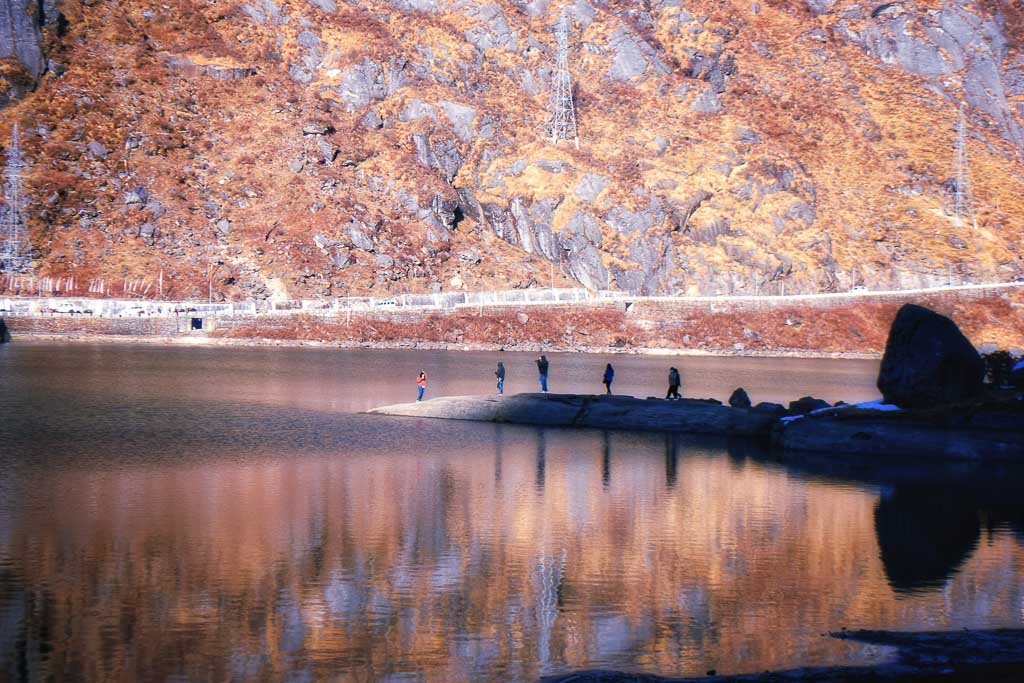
column 930, row 515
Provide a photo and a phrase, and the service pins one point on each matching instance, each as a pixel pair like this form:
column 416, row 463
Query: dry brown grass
column 860, row 328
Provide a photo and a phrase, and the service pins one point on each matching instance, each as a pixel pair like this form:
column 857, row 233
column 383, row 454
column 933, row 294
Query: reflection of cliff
column 924, row 536
column 929, row 521
column 452, row 561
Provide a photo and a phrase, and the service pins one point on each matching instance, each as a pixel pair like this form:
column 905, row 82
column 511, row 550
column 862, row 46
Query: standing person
column 609, row 375
column 500, row 374
column 673, row 384
column 421, row 385
column 542, row 368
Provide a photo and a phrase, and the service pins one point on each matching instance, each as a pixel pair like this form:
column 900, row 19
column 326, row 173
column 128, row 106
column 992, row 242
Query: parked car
column 132, row 312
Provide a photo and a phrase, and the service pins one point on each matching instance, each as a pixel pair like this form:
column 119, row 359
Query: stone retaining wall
column 81, row 325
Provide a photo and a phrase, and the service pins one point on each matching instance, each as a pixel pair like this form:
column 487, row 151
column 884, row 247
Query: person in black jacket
column 609, row 376
column 673, row 384
column 542, row 368
column 500, row 374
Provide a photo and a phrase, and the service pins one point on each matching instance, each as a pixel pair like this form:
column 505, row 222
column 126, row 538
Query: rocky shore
column 602, row 412
column 985, row 655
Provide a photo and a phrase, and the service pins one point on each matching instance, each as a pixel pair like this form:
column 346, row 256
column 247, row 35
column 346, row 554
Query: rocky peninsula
column 601, row 412
column 935, row 405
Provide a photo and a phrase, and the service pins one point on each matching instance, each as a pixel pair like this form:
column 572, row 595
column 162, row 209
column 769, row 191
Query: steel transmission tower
column 562, row 114
column 14, row 245
column 963, row 193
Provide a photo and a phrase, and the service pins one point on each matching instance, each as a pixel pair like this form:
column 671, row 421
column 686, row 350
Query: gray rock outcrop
column 329, row 6
column 266, row 12
column 934, row 43
column 21, row 36
column 633, row 57
column 362, row 84
column 492, row 31
column 442, row 155
column 591, row 185
column 461, row 117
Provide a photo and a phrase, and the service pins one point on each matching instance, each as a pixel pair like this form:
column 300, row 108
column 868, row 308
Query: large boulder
column 739, row 399
column 928, row 361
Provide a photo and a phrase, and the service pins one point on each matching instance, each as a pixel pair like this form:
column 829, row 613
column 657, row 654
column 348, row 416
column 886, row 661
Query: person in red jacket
column 421, row 385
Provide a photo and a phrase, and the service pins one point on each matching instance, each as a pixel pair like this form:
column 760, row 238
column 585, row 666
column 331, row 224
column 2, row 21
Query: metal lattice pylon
column 561, row 123
column 14, row 244
column 963, row 192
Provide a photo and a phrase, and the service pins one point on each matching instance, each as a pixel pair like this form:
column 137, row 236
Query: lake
column 228, row 514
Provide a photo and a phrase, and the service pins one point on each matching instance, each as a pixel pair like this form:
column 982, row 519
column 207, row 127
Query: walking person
column 673, row 384
column 421, row 385
column 542, row 368
column 500, row 374
column 609, row 376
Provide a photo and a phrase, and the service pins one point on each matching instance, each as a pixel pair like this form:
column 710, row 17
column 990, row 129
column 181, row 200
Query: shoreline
column 206, row 341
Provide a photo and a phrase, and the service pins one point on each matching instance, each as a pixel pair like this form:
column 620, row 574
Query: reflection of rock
column 928, row 361
column 5, row 335
column 924, row 535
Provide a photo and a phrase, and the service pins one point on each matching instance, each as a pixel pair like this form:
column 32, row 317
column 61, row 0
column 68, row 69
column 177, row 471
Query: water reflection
column 547, row 551
column 930, row 515
column 924, row 536
column 671, row 460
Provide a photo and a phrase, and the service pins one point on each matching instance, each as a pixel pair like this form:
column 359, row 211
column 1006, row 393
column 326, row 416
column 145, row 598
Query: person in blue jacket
column 609, row 376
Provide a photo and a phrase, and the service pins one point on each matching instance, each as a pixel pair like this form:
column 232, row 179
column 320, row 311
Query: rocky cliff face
column 325, row 147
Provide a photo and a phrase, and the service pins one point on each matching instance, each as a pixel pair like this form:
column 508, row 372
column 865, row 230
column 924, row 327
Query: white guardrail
column 127, row 308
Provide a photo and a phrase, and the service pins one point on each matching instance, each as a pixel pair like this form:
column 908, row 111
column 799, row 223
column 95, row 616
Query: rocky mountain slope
column 325, row 147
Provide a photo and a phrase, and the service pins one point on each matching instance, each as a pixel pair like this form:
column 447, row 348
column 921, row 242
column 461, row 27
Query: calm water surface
column 226, row 514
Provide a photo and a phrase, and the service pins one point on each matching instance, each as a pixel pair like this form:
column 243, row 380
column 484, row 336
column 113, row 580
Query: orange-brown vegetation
column 852, row 328
column 825, row 167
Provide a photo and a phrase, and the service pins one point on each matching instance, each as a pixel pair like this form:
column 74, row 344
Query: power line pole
column 14, row 246
column 963, row 198
column 561, row 123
